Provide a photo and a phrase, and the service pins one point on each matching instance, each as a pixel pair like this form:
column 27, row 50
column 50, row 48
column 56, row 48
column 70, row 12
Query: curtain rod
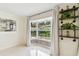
column 41, row 13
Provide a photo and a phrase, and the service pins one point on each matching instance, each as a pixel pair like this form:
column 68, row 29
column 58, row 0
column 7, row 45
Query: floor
column 25, row 51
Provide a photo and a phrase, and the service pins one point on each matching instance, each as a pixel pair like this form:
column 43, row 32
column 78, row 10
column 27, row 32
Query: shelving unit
column 72, row 9
column 69, row 37
column 70, row 17
column 66, row 15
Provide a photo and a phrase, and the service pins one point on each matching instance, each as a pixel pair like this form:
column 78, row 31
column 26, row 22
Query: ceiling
column 26, row 9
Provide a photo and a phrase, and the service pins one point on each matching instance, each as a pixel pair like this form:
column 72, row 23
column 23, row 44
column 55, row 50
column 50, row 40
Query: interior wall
column 55, row 31
column 22, row 30
column 9, row 39
column 66, row 46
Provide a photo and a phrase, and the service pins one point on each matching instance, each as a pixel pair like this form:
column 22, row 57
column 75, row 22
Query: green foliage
column 66, row 15
column 44, row 33
column 33, row 33
column 69, row 26
column 45, row 23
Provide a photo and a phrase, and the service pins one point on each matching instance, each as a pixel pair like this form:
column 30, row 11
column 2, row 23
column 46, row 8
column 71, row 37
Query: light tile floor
column 25, row 51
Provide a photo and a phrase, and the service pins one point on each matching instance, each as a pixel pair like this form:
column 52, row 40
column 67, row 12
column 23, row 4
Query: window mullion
column 37, row 30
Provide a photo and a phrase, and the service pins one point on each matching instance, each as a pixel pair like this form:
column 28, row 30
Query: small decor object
column 61, row 38
column 67, row 33
column 67, row 7
column 74, row 21
column 61, row 21
column 73, row 6
column 74, row 40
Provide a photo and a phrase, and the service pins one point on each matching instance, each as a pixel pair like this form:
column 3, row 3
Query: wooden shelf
column 76, row 8
column 69, row 29
column 69, row 18
column 68, row 37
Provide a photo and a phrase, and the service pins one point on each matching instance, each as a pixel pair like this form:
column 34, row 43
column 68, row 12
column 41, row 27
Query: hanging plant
column 66, row 26
column 66, row 15
column 69, row 26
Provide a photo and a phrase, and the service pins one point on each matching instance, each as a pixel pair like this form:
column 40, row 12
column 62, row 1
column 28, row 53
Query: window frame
column 37, row 21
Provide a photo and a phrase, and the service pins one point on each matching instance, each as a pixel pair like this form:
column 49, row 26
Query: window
column 7, row 25
column 41, row 29
column 33, row 29
column 44, row 29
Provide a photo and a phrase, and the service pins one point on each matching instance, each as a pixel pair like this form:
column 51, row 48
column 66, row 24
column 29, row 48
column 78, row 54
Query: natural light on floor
column 38, row 53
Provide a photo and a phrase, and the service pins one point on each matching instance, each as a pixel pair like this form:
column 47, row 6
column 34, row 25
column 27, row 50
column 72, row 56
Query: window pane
column 44, row 30
column 33, row 26
column 45, row 25
column 44, row 34
column 33, row 34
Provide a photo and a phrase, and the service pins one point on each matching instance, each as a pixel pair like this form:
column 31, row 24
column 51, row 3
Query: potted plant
column 67, row 28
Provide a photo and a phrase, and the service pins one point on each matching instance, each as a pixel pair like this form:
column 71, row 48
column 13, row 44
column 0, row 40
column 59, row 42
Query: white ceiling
column 26, row 9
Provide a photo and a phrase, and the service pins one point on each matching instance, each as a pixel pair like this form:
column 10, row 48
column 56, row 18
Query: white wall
column 9, row 39
column 22, row 30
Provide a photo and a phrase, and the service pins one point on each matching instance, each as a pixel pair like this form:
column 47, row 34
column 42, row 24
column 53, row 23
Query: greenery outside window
column 41, row 29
